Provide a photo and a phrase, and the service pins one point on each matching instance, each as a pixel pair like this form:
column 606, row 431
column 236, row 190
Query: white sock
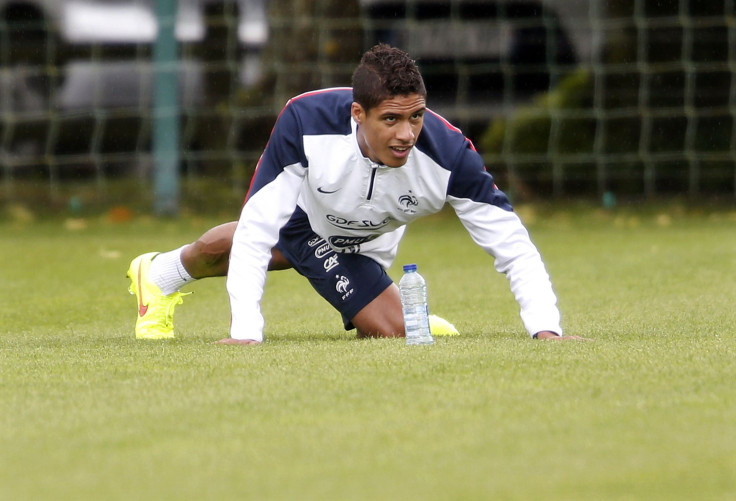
column 168, row 273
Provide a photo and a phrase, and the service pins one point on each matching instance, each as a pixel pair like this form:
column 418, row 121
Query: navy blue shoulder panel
column 447, row 146
column 313, row 113
column 325, row 111
column 440, row 140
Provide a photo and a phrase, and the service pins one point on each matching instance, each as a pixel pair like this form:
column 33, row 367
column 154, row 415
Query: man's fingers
column 229, row 340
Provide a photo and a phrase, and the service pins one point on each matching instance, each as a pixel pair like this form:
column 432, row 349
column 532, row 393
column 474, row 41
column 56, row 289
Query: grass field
column 647, row 411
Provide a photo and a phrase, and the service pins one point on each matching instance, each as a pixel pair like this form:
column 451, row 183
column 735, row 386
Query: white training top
column 313, row 160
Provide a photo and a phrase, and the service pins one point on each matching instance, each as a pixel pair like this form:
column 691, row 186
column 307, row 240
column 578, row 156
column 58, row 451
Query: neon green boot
column 438, row 326
column 155, row 310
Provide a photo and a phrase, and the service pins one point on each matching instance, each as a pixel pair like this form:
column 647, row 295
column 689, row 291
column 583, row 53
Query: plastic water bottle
column 413, row 291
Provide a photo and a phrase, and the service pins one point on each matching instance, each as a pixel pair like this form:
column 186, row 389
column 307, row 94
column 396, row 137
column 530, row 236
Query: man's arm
column 486, row 213
column 263, row 215
column 271, row 201
column 500, row 233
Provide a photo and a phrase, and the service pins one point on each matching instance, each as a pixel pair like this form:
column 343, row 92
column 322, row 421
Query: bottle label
column 415, row 319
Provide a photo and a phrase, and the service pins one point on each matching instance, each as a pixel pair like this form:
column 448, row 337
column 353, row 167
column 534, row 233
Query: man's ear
column 357, row 112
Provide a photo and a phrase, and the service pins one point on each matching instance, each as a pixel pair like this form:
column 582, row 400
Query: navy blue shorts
column 347, row 281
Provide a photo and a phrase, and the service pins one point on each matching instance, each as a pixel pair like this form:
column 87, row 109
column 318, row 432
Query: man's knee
column 209, row 255
column 388, row 329
column 382, row 317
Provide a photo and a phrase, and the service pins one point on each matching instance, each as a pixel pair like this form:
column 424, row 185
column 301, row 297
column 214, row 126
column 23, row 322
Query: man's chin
column 396, row 162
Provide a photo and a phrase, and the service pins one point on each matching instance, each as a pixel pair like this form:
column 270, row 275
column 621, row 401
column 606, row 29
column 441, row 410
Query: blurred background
column 162, row 106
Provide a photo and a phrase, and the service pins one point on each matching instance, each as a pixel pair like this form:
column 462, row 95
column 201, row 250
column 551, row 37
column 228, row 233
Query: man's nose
column 405, row 132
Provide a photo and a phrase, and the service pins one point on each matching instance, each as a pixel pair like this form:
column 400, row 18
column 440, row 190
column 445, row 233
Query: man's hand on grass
column 557, row 337
column 229, row 340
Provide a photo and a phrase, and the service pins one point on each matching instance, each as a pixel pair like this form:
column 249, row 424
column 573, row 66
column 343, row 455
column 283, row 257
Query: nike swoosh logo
column 142, row 308
column 326, row 192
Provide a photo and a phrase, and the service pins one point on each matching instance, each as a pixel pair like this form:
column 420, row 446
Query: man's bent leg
column 355, row 285
column 156, row 278
column 209, row 255
column 382, row 317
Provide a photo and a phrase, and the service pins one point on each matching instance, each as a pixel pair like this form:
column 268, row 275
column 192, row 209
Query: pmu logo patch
column 323, row 250
column 349, row 244
column 408, row 202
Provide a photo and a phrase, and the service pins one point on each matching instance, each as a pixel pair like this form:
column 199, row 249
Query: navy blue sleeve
column 284, row 148
column 325, row 111
column 470, row 179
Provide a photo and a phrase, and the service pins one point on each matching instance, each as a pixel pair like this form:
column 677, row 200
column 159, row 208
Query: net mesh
column 564, row 98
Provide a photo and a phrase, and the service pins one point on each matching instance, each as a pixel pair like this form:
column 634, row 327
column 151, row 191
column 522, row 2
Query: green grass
column 646, row 411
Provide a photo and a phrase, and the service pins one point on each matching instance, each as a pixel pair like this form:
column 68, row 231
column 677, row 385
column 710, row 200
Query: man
column 342, row 174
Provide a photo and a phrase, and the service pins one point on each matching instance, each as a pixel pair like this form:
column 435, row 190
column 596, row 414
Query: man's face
column 388, row 132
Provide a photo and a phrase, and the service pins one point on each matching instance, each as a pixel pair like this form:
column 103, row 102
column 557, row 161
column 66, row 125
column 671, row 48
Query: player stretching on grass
column 342, row 174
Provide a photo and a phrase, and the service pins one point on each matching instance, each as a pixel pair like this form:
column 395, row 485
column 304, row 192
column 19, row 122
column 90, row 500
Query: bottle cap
column 410, row 267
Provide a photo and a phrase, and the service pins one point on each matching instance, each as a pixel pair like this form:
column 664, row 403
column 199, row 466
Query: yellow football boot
column 438, row 326
column 155, row 310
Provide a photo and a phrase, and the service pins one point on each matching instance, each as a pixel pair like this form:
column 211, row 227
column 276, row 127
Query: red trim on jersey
column 453, row 128
column 305, row 94
column 319, row 91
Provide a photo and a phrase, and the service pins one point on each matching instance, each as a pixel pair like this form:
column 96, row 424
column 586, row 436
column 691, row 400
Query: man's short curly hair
column 383, row 73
